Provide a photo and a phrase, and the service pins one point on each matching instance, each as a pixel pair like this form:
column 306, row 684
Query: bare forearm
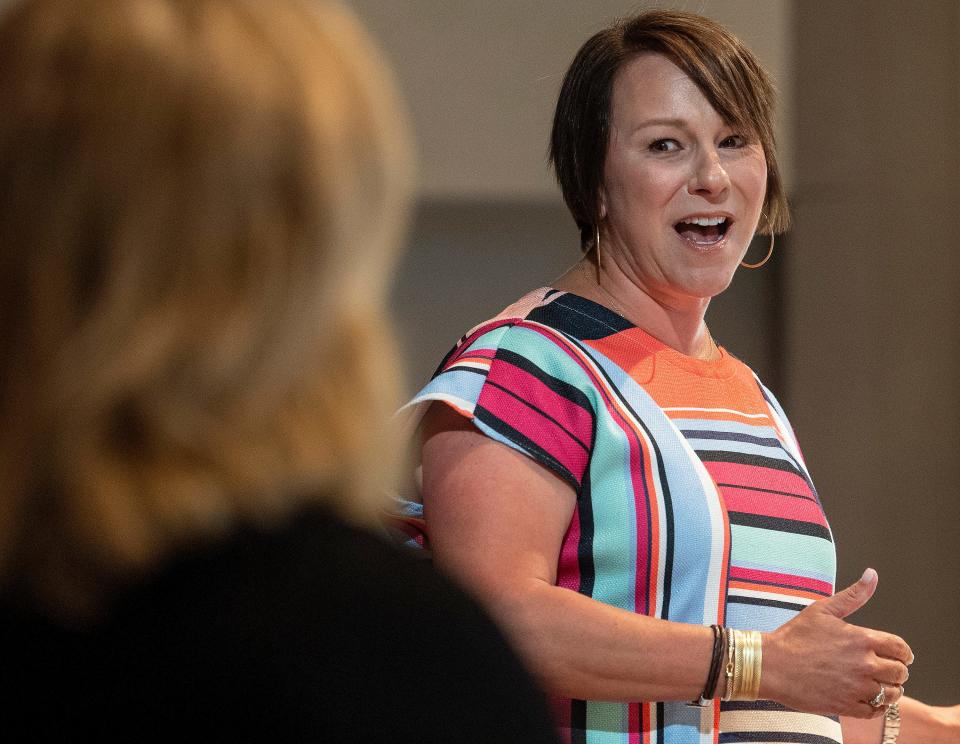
column 581, row 648
column 920, row 724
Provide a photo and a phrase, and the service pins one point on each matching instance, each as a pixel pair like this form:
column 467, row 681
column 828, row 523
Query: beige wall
column 482, row 78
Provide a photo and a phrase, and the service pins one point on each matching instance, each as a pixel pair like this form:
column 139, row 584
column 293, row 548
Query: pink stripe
column 477, row 333
column 561, row 718
column 483, row 353
column 754, row 476
column 633, row 717
column 571, row 416
column 568, row 565
column 802, row 582
column 537, row 428
column 643, row 580
column 773, row 505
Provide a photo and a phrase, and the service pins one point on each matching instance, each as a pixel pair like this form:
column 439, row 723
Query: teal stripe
column 463, row 385
column 786, row 552
column 607, row 723
column 490, row 339
column 549, row 355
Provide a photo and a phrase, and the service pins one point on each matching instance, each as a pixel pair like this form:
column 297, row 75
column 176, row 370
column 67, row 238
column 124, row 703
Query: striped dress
column 693, row 500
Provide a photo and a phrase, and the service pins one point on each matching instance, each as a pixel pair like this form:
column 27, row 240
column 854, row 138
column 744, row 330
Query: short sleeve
column 525, row 386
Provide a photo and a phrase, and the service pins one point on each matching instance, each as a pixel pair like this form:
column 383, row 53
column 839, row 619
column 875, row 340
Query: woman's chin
column 705, row 283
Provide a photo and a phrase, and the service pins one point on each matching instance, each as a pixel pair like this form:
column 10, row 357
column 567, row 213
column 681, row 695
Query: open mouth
column 703, row 231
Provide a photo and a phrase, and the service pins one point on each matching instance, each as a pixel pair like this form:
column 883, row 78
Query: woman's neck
column 679, row 325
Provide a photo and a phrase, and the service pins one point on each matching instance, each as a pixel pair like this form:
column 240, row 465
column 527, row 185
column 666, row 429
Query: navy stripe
column 528, row 445
column 580, row 318
column 757, row 601
column 578, row 722
column 774, row 736
column 780, row 524
column 585, row 544
column 743, row 458
column 786, row 586
column 760, row 705
column 766, row 490
column 730, row 436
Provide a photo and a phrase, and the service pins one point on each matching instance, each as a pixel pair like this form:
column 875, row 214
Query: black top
column 316, row 631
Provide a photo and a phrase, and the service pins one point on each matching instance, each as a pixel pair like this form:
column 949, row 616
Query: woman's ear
column 603, row 203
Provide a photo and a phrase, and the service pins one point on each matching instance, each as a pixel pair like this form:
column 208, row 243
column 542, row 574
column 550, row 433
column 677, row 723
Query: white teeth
column 705, row 221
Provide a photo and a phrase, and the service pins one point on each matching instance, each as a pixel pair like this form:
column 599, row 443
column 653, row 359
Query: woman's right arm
column 497, row 520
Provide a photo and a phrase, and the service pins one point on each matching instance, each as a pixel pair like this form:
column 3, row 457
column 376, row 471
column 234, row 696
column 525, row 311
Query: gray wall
column 873, row 307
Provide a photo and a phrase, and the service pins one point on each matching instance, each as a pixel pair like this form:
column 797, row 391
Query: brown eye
column 734, row 140
column 664, row 145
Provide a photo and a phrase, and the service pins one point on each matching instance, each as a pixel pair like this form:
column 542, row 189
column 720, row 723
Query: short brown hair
column 200, row 204
column 725, row 71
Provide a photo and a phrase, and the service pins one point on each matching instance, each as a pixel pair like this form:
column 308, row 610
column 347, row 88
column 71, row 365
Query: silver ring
column 879, row 699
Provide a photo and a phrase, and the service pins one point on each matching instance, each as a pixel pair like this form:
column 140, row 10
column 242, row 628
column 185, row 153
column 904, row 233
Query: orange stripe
column 716, row 721
column 480, row 360
column 767, row 589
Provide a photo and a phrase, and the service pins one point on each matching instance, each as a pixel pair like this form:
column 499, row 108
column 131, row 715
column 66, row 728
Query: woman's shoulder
column 539, row 326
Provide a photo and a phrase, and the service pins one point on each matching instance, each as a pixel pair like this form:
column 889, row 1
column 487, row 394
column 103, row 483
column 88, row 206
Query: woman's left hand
column 950, row 722
column 919, row 724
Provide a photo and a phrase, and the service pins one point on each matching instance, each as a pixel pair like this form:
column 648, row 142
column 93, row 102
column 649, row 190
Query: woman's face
column 682, row 190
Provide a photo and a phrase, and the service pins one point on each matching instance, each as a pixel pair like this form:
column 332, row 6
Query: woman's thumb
column 853, row 597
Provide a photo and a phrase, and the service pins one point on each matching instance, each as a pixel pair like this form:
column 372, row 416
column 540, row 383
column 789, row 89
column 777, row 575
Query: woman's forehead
column 650, row 89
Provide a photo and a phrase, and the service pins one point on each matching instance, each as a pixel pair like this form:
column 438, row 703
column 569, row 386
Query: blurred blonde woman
column 199, row 204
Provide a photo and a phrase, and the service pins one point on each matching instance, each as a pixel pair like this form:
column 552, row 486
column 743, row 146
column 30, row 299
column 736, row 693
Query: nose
column 709, row 179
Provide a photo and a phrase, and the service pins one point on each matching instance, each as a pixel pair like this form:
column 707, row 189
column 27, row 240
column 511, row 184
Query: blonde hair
column 199, row 204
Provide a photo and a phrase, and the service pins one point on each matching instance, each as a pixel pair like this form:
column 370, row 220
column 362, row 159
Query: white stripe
column 474, row 365
column 739, row 592
column 734, row 721
column 721, row 410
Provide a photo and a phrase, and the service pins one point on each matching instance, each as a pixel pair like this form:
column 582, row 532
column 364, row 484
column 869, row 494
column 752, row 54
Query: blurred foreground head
column 199, row 206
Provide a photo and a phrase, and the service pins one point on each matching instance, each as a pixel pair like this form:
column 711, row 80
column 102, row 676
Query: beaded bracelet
column 731, row 663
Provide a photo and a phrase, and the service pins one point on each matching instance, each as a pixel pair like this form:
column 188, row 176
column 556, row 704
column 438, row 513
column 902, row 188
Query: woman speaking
column 625, row 495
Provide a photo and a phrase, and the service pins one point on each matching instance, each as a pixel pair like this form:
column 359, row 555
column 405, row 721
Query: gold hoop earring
column 766, row 258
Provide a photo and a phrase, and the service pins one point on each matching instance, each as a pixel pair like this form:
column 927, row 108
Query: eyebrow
column 661, row 123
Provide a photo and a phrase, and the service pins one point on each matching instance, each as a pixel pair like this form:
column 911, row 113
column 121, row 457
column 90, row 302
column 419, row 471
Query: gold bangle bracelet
column 740, row 667
column 747, row 665
column 754, row 660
